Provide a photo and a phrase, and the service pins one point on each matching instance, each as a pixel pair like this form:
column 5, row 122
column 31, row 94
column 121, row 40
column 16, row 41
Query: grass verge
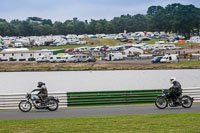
column 152, row 123
column 34, row 66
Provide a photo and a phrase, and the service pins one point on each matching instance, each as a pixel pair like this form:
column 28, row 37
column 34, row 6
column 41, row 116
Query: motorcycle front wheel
column 25, row 106
column 161, row 102
column 52, row 105
column 186, row 101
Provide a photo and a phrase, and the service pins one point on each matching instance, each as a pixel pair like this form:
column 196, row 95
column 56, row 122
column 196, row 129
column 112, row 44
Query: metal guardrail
column 11, row 101
column 193, row 92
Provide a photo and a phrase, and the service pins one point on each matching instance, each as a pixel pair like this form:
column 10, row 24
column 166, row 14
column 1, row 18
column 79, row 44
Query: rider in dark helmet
column 43, row 93
column 175, row 91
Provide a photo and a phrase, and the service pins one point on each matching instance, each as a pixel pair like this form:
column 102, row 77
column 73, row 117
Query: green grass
column 156, row 123
column 186, row 64
column 188, row 45
column 91, row 43
column 55, row 47
column 153, row 41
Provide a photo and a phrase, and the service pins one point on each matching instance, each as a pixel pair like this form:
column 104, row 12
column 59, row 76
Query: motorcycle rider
column 175, row 91
column 43, row 93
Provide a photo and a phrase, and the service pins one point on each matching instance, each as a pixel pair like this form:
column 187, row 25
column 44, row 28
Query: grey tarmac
column 93, row 111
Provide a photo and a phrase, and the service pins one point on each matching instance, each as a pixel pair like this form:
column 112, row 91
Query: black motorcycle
column 164, row 100
column 51, row 103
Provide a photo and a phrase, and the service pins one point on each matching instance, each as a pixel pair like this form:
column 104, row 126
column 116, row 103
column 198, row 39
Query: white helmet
column 172, row 80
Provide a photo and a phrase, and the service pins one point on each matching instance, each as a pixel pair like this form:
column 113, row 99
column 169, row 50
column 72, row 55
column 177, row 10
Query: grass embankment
column 118, row 66
column 169, row 123
column 34, row 66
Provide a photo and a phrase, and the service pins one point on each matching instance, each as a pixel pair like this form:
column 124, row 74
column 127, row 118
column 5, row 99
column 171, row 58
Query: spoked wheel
column 52, row 105
column 25, row 106
column 161, row 102
column 186, row 101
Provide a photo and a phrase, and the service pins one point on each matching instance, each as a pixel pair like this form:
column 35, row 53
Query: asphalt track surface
column 93, row 111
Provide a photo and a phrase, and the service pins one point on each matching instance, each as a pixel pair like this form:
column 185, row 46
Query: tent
column 133, row 50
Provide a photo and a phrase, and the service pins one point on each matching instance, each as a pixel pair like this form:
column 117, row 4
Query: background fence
column 11, row 101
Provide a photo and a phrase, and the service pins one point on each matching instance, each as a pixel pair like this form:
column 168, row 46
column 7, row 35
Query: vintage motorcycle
column 51, row 103
column 164, row 100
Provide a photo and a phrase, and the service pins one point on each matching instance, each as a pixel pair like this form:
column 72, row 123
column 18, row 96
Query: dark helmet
column 172, row 80
column 40, row 84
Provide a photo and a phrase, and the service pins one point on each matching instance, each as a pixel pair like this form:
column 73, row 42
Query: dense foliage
column 182, row 19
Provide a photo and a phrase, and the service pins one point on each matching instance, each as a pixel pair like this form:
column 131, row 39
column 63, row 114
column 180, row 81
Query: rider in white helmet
column 175, row 91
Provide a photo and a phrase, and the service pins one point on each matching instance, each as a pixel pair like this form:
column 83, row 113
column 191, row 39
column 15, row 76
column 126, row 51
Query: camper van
column 170, row 58
column 42, row 58
column 84, row 58
column 56, row 58
column 114, row 56
column 69, row 58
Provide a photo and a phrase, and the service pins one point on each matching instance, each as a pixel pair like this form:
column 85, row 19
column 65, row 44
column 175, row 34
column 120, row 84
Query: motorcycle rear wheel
column 25, row 106
column 53, row 105
column 161, row 102
column 186, row 101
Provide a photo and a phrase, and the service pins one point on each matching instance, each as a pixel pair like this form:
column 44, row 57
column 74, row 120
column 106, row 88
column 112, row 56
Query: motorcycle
column 164, row 100
column 51, row 103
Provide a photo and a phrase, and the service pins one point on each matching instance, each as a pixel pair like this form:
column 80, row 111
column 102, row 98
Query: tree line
column 176, row 18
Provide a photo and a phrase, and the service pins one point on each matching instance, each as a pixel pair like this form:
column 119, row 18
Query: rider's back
column 176, row 87
column 43, row 90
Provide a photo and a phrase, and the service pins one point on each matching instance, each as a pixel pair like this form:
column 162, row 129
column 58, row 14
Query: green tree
column 4, row 29
column 59, row 28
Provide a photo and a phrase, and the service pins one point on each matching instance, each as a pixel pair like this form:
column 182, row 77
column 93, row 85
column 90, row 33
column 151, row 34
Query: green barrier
column 111, row 97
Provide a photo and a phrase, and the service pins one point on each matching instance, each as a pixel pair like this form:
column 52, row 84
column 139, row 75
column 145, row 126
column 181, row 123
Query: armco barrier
column 112, row 97
column 193, row 92
column 11, row 101
column 122, row 97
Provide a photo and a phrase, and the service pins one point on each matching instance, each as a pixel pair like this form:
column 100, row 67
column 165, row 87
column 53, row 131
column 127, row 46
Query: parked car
column 91, row 59
column 156, row 59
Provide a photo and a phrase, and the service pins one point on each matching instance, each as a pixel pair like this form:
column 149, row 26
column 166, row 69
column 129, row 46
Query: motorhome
column 170, row 58
column 114, row 56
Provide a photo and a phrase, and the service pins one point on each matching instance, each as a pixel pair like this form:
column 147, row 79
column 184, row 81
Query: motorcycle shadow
column 41, row 111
